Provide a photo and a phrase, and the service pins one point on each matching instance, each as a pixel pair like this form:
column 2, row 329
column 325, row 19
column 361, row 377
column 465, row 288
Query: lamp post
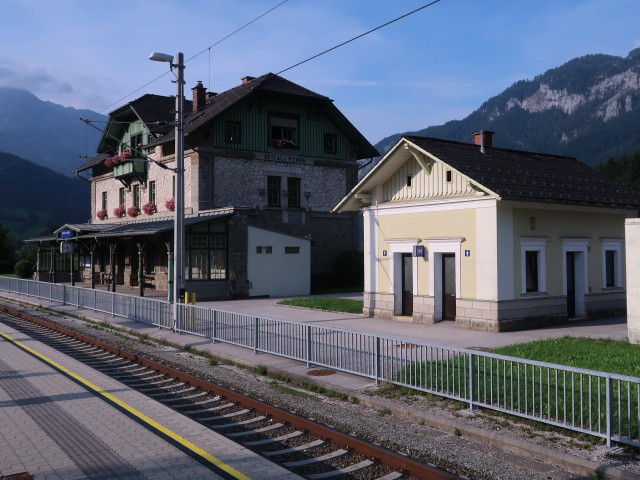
column 178, row 220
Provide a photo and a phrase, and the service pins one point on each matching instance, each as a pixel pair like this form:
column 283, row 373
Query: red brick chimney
column 484, row 138
column 199, row 96
column 247, row 79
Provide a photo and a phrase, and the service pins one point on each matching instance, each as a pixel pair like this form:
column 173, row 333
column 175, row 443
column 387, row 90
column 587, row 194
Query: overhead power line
column 359, row 36
column 236, row 31
column 196, row 55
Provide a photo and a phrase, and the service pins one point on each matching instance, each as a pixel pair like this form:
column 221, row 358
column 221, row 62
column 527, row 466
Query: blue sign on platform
column 64, row 234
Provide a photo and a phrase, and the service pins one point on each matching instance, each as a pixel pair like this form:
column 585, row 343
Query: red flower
column 133, row 211
column 119, row 211
column 170, row 204
column 102, row 214
column 149, row 208
column 112, row 161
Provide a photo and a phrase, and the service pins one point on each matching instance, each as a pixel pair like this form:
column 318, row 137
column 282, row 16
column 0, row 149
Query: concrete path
column 443, row 333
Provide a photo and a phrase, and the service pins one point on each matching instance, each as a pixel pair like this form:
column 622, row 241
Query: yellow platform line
column 141, row 416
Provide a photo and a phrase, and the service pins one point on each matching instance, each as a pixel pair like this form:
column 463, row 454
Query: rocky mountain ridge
column 588, row 108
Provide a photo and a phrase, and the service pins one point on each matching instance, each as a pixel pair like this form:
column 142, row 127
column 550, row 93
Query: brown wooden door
column 448, row 286
column 407, row 284
column 571, row 284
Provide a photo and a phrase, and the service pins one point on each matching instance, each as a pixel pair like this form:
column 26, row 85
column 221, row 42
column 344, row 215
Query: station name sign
column 65, row 234
column 275, row 157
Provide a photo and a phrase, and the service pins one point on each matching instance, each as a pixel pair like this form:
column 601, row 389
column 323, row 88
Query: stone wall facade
column 241, row 181
column 163, row 179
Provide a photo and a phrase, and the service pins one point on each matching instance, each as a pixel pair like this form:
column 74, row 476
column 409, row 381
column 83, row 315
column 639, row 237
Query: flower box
column 112, row 161
column 119, row 211
column 149, row 208
column 284, row 143
column 102, row 214
column 170, row 204
column 133, row 211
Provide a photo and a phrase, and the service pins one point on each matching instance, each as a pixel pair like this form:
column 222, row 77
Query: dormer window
column 284, row 133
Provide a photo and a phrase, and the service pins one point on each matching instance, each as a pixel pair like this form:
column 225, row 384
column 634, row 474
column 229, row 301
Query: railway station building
column 264, row 164
column 491, row 238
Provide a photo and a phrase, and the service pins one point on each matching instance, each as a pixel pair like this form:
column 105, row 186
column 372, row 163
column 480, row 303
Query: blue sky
column 437, row 65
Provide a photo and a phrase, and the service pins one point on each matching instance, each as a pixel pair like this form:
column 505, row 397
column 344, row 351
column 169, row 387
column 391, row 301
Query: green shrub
column 24, row 269
column 348, row 269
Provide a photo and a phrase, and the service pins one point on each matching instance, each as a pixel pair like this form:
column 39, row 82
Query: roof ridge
column 502, row 149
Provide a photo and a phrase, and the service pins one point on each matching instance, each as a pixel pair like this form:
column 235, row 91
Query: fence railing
column 597, row 403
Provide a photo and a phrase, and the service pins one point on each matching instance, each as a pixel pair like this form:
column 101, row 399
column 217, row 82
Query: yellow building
column 491, row 238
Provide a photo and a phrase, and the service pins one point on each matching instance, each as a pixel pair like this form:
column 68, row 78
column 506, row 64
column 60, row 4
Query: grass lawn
column 544, row 391
column 595, row 354
column 10, row 275
column 345, row 305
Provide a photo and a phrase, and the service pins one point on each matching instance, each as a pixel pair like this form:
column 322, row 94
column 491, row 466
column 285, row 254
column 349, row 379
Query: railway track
column 306, row 447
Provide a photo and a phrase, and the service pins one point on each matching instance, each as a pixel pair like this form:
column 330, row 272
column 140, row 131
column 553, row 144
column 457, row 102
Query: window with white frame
column 612, row 263
column 533, row 264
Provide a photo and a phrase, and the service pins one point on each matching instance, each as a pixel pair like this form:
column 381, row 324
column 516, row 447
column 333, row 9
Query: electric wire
column 236, row 31
column 292, row 66
column 197, row 54
column 281, row 71
column 359, row 36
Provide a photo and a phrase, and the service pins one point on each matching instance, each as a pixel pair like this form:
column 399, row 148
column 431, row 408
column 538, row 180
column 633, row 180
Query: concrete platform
column 57, row 427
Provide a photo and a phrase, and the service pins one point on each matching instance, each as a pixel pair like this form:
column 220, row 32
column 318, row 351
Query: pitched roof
column 92, row 162
column 271, row 84
column 156, row 111
column 222, row 101
column 513, row 174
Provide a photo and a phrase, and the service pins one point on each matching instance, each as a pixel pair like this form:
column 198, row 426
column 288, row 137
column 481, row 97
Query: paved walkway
column 442, row 333
column 56, row 427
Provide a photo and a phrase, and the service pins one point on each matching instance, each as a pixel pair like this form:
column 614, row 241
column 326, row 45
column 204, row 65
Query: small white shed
column 278, row 265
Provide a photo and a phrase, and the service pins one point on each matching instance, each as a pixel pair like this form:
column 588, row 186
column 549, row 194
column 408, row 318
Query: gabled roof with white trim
column 503, row 173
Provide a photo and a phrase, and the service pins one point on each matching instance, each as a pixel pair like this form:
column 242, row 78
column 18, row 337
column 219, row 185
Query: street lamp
column 178, row 221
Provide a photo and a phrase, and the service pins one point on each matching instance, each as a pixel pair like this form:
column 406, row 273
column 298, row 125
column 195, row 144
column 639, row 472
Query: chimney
column 199, row 99
column 247, row 79
column 484, row 138
column 210, row 95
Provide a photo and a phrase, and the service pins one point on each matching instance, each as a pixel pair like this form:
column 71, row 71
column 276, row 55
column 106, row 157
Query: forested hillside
column 34, row 197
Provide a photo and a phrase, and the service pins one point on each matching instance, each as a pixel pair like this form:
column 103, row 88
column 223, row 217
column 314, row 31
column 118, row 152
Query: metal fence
column 597, row 403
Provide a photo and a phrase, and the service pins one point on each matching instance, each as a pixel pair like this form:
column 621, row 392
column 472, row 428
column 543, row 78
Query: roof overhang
column 148, row 228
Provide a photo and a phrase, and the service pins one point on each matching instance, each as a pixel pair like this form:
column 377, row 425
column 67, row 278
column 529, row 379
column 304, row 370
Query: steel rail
column 384, row 455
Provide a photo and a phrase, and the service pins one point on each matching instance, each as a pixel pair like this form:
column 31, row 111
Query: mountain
column 588, row 108
column 46, row 133
column 33, row 197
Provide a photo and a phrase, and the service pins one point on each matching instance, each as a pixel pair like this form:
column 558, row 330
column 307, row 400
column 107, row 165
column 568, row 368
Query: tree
column 625, row 169
column 7, row 250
